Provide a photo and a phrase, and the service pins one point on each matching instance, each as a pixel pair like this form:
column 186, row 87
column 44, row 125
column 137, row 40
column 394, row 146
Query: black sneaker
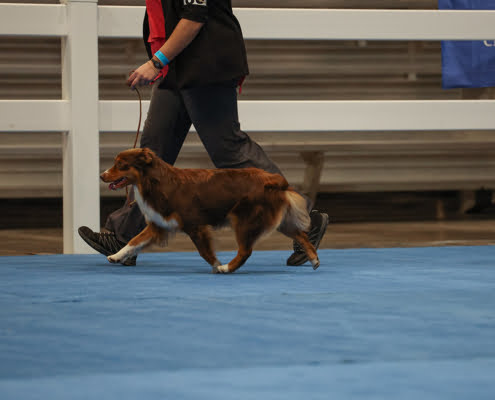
column 319, row 222
column 105, row 243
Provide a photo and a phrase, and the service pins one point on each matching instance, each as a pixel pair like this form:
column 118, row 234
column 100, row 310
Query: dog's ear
column 146, row 156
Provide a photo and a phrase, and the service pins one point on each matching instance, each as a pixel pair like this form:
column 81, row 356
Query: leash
column 140, row 116
column 136, row 138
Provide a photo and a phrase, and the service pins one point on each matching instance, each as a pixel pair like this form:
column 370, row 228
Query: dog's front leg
column 148, row 236
column 126, row 252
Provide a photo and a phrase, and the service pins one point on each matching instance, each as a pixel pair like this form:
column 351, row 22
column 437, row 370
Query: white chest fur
column 152, row 215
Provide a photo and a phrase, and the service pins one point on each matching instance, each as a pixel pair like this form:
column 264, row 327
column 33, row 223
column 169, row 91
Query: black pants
column 213, row 111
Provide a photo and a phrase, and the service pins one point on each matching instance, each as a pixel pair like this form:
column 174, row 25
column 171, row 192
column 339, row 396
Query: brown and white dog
column 255, row 202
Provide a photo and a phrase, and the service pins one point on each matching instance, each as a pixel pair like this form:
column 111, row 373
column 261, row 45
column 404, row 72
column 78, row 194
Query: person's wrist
column 156, row 67
column 156, row 63
column 161, row 57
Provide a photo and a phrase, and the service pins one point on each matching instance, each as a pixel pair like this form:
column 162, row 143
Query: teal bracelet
column 162, row 57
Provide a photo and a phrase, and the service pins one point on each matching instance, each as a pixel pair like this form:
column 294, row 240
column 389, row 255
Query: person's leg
column 213, row 111
column 164, row 132
column 167, row 125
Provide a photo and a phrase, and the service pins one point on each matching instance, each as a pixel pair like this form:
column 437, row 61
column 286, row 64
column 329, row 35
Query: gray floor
column 339, row 236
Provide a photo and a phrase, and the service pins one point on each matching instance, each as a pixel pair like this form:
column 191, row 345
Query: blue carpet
column 368, row 324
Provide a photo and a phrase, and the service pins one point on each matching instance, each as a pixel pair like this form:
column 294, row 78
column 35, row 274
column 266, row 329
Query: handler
column 197, row 61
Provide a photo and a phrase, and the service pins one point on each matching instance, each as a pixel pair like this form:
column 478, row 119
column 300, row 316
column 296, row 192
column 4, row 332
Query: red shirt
column 156, row 21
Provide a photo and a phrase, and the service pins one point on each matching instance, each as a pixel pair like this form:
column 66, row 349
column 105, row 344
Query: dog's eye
column 122, row 166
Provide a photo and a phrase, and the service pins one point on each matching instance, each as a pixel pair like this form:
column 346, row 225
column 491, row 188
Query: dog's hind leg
column 243, row 253
column 201, row 237
column 247, row 232
column 296, row 223
column 149, row 235
column 302, row 238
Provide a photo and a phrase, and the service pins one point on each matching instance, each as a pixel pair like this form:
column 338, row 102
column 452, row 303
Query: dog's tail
column 297, row 215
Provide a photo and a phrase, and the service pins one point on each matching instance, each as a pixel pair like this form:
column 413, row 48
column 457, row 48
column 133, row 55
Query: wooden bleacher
column 30, row 163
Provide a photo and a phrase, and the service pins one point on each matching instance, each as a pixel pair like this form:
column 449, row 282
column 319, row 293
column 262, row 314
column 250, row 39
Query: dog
column 193, row 201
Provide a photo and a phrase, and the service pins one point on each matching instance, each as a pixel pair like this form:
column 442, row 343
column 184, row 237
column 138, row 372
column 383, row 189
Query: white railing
column 80, row 115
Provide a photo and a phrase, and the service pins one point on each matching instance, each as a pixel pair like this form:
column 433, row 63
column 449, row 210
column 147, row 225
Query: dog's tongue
column 116, row 184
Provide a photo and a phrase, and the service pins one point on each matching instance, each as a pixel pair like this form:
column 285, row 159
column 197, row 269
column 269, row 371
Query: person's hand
column 144, row 75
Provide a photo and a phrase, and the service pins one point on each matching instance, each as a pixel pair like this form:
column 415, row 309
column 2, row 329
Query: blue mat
column 368, row 324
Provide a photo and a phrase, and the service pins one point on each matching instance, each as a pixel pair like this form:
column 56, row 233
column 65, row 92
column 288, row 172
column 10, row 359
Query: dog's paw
column 220, row 269
column 114, row 259
column 223, row 269
column 315, row 263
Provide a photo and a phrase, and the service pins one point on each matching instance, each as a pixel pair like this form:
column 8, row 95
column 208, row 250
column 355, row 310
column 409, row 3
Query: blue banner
column 468, row 64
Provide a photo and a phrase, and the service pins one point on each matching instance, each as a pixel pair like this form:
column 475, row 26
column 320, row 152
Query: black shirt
column 217, row 53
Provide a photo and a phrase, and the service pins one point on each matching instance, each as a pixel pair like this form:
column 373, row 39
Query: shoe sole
column 304, row 259
column 130, row 262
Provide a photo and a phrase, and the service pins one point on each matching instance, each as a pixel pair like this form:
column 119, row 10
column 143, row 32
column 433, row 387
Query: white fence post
column 81, row 192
